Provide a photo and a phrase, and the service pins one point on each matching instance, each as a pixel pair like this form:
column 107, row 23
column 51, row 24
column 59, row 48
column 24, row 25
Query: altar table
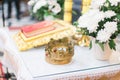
column 31, row 64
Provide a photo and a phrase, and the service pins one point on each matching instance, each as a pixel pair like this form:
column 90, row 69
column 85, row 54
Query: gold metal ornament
column 59, row 51
column 84, row 41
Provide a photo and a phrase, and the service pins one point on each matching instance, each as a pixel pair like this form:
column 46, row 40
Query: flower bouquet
column 102, row 22
column 42, row 8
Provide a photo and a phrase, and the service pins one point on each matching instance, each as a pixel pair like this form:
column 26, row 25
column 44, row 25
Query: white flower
column 92, row 12
column 96, row 4
column 51, row 2
column 54, row 6
column 99, row 16
column 111, row 27
column 90, row 20
column 56, row 9
column 31, row 2
column 83, row 23
column 39, row 4
column 89, row 15
column 92, row 27
column 114, row 2
column 103, row 36
column 109, row 14
column 94, row 20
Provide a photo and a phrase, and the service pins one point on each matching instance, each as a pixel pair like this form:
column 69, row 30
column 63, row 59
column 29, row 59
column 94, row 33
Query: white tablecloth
column 31, row 64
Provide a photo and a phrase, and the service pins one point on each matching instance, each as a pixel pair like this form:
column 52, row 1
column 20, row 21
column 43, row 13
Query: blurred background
column 13, row 18
column 17, row 13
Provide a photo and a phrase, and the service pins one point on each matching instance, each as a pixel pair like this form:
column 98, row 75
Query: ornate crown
column 59, row 51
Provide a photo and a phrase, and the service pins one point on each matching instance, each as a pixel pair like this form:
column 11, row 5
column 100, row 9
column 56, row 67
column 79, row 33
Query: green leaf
column 74, row 12
column 101, row 45
column 112, row 44
column 75, row 23
column 90, row 44
column 118, row 16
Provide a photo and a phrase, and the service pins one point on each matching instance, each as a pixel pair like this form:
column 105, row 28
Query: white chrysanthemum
column 96, row 17
column 88, row 23
column 90, row 20
column 103, row 36
column 109, row 14
column 114, row 2
column 99, row 16
column 84, row 16
column 83, row 23
column 96, row 14
column 111, row 27
column 31, row 2
column 92, row 12
column 92, row 26
column 39, row 4
column 88, row 15
column 96, row 4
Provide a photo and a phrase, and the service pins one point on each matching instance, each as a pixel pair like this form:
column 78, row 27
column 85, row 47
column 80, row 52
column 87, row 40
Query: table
column 31, row 64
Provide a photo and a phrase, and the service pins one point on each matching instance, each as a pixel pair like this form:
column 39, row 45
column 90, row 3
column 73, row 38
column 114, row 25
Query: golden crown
column 59, row 51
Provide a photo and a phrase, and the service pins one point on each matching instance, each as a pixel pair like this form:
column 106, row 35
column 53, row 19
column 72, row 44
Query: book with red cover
column 37, row 28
